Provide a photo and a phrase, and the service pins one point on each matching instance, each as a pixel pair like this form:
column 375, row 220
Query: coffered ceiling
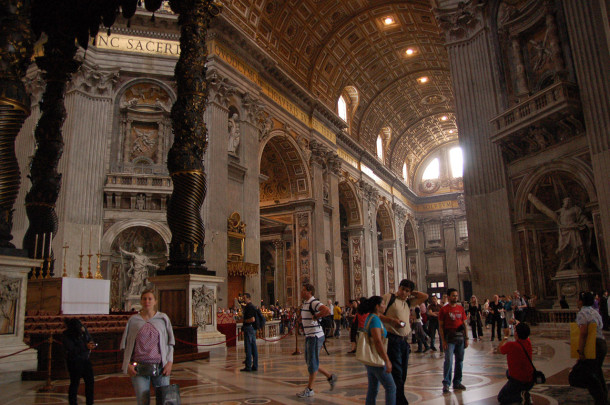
column 327, row 45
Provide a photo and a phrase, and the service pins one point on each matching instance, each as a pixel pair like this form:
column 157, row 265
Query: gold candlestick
column 65, row 274
column 48, row 275
column 80, row 266
column 89, row 275
column 98, row 273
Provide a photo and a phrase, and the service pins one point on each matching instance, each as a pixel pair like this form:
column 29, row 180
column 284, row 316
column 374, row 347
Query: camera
column 402, row 324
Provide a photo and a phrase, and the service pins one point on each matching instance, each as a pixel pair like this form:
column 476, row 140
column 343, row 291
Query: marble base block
column 13, row 292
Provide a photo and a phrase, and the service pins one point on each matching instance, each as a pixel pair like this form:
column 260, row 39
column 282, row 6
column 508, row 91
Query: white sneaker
column 306, row 393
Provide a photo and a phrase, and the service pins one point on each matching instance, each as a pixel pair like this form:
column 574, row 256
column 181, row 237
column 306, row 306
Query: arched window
column 342, row 108
column 404, row 171
column 432, row 172
column 456, row 161
column 379, row 147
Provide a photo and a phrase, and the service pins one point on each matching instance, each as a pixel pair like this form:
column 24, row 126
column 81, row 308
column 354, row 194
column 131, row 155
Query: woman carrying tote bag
column 371, row 351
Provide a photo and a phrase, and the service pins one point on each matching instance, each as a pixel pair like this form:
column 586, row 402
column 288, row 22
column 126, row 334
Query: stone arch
column 348, row 199
column 573, row 168
column 385, row 222
column 116, row 229
column 283, row 169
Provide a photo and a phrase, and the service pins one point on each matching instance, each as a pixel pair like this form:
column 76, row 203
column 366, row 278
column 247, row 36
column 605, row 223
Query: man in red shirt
column 520, row 370
column 454, row 339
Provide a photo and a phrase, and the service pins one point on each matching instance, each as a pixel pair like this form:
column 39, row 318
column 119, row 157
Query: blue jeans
column 250, row 346
column 398, row 352
column 456, row 349
column 312, row 352
column 141, row 385
column 378, row 375
column 511, row 392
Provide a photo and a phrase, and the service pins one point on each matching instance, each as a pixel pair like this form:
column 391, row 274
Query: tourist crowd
column 381, row 330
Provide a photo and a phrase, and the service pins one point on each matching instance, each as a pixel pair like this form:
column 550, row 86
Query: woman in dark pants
column 78, row 345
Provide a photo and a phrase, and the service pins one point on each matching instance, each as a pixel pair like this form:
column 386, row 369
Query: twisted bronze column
column 57, row 65
column 185, row 158
column 16, row 45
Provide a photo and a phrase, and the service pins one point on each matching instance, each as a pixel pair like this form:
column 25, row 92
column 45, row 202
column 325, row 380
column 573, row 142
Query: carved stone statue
column 140, row 201
column 234, row 135
column 203, row 299
column 138, row 270
column 9, row 293
column 575, row 232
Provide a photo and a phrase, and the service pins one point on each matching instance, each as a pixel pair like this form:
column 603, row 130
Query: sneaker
column 332, row 380
column 246, row 369
column 526, row 399
column 445, row 389
column 459, row 387
column 306, row 393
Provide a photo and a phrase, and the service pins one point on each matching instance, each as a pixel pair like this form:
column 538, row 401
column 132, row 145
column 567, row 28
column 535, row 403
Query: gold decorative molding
column 242, row 269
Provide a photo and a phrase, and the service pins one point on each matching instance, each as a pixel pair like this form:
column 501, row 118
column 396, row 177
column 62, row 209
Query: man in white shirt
column 311, row 312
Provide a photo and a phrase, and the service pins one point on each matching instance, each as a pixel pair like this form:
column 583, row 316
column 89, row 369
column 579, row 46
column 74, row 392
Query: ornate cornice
column 462, row 21
column 220, row 88
column 95, row 80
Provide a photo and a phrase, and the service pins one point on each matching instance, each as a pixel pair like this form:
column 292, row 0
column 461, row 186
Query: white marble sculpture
column 234, row 134
column 138, row 270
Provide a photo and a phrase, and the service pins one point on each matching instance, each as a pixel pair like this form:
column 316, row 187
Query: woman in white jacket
column 148, row 342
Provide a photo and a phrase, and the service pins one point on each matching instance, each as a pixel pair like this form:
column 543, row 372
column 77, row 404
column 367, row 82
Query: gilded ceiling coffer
column 185, row 158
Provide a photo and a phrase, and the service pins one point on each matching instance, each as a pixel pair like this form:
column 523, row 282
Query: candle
column 44, row 236
column 90, row 230
column 35, row 246
column 50, row 243
column 82, row 236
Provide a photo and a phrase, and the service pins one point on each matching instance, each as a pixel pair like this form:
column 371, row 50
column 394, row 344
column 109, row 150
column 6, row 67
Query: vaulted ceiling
column 327, row 45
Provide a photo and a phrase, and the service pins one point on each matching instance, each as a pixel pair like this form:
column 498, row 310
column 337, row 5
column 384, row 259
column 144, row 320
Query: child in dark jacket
column 78, row 345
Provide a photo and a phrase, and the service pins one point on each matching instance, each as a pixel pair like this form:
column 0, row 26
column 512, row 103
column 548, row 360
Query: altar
column 68, row 296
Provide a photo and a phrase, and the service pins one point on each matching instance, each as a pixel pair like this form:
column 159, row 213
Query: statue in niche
column 9, row 294
column 138, row 270
column 542, row 52
column 140, row 201
column 575, row 233
column 234, row 135
column 203, row 299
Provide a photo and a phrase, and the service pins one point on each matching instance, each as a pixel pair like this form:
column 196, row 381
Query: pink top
column 146, row 349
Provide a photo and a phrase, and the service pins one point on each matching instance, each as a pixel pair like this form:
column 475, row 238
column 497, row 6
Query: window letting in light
column 404, row 171
column 432, row 172
column 379, row 147
column 456, row 161
column 342, row 108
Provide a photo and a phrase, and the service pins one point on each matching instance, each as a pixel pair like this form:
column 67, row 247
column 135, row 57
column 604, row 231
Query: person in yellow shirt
column 337, row 311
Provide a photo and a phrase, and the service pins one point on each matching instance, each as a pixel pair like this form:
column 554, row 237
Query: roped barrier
column 23, row 350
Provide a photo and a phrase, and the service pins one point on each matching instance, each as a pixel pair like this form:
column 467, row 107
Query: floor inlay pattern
column 218, row 381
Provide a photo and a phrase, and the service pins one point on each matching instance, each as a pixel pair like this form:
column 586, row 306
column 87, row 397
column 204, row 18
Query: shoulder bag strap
column 392, row 299
column 527, row 355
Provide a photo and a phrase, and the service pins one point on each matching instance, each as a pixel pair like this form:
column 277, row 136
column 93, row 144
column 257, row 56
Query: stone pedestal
column 571, row 282
column 191, row 300
column 13, row 291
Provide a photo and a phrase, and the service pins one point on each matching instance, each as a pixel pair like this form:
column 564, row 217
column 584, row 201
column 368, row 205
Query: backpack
column 392, row 299
column 259, row 319
column 320, row 321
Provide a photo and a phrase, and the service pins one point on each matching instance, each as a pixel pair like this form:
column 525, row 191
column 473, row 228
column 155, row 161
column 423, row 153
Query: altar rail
column 555, row 315
column 270, row 331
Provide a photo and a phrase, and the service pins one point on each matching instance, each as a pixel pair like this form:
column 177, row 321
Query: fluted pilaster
column 589, row 43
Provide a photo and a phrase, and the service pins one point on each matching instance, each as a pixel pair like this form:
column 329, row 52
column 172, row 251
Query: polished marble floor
column 281, row 375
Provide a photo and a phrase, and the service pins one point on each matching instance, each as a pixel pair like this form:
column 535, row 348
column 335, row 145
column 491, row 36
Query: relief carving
column 9, row 297
column 234, row 134
column 202, row 303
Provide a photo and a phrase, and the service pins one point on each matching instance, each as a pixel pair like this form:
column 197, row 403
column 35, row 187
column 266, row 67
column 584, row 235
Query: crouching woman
column 148, row 342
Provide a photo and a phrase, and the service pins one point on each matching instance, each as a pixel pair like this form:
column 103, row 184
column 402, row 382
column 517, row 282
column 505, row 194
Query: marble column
column 252, row 109
column 355, row 240
column 215, row 210
column 334, row 170
column 588, row 28
column 451, row 261
column 280, row 271
column 470, row 53
column 422, row 265
column 80, row 204
column 319, row 245
column 371, row 261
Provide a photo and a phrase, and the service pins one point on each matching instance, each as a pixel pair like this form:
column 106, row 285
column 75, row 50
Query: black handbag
column 580, row 375
column 168, row 395
column 539, row 377
column 148, row 369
